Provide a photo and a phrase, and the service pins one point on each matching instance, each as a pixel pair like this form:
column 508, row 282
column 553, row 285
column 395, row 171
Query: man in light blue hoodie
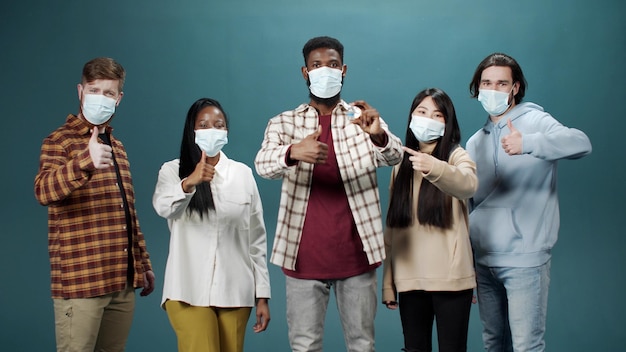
column 514, row 219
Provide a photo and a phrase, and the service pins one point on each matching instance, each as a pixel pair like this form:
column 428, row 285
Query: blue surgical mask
column 211, row 140
column 425, row 129
column 98, row 109
column 494, row 102
column 325, row 82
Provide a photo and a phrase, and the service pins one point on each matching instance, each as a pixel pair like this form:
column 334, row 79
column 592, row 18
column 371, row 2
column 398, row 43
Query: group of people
column 485, row 217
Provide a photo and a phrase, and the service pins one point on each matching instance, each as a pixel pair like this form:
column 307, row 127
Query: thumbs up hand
column 512, row 143
column 203, row 172
column 101, row 154
column 310, row 150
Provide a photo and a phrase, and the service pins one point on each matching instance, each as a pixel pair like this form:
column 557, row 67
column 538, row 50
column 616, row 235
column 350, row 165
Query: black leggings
column 451, row 311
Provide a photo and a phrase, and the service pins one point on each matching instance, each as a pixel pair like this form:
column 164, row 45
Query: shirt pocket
column 235, row 209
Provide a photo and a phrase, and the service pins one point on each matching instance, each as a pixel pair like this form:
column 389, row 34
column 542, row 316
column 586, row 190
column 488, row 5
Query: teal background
column 247, row 54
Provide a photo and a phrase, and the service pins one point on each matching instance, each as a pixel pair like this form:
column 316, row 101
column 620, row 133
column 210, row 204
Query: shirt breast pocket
column 235, row 209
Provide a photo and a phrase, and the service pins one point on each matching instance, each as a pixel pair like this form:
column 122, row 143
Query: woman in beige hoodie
column 429, row 272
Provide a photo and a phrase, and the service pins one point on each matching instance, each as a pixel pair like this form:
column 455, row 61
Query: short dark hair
column 500, row 59
column 321, row 42
column 190, row 155
column 103, row 68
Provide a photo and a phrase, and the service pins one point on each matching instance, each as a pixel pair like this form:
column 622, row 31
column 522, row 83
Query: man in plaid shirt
column 97, row 252
column 329, row 231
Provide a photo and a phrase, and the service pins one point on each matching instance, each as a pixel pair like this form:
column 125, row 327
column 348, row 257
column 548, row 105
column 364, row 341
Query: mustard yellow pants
column 208, row 329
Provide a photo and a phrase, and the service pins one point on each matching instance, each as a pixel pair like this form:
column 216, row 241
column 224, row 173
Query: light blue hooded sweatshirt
column 514, row 215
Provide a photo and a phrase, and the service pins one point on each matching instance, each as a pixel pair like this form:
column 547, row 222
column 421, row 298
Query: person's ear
column 119, row 98
column 305, row 73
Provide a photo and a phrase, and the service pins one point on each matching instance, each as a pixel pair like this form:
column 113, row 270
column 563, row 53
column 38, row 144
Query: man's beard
column 330, row 102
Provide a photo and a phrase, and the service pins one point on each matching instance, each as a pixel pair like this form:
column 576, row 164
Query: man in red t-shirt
column 329, row 229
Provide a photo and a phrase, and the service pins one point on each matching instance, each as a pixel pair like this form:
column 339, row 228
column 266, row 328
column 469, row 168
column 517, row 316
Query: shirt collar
column 81, row 126
column 342, row 105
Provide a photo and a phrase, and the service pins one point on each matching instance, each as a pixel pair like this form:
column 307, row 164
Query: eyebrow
column 331, row 61
column 424, row 107
column 498, row 81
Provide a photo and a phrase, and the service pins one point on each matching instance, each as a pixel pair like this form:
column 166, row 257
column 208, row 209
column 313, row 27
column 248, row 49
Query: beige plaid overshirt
column 357, row 157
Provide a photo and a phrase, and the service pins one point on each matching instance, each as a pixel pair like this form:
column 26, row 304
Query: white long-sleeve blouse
column 219, row 260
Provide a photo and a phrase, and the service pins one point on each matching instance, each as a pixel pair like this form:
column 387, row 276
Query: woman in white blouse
column 216, row 269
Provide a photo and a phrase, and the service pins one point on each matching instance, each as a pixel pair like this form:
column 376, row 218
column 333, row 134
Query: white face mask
column 426, row 130
column 494, row 102
column 97, row 108
column 325, row 82
column 211, row 140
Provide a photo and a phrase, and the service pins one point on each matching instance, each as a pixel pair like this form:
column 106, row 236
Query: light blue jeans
column 307, row 301
column 513, row 304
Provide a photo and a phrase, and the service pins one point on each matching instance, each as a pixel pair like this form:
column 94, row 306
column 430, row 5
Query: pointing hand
column 422, row 162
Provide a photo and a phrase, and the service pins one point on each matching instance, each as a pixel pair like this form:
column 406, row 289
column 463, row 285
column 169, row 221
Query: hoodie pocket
column 493, row 230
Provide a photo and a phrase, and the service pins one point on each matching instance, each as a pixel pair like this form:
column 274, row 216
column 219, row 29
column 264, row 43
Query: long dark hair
column 434, row 207
column 190, row 155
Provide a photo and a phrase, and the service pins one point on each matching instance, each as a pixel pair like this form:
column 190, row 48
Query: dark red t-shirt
column 330, row 247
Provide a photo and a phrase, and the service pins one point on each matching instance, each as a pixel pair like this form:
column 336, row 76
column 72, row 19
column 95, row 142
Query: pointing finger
column 410, row 151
